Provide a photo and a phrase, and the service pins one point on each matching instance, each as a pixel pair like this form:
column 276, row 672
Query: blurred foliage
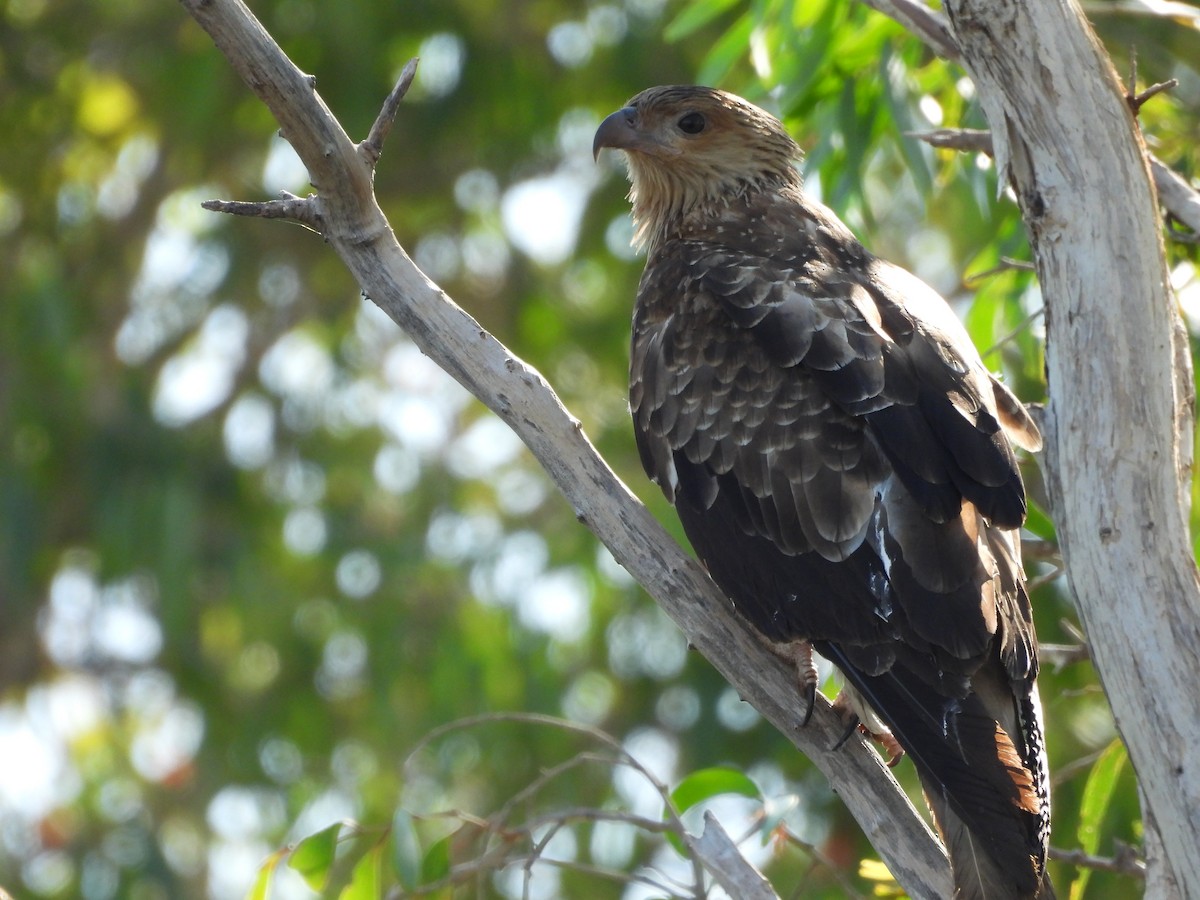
column 254, row 547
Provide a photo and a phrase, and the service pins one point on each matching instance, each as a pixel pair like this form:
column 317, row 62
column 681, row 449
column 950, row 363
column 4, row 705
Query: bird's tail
column 977, row 876
column 987, row 789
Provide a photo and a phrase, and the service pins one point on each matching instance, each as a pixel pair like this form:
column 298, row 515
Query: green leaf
column 694, row 16
column 805, row 54
column 1097, row 795
column 706, row 783
column 406, row 849
column 1039, row 523
column 436, row 864
column 703, row 784
column 981, row 320
column 896, row 91
column 367, row 881
column 353, row 845
column 313, row 856
column 262, row 884
column 726, row 52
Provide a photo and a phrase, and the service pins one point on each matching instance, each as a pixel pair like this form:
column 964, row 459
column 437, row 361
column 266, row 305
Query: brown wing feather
column 841, row 461
column 838, row 460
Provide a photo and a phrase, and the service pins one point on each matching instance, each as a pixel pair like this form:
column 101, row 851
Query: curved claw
column 810, row 701
column 887, row 741
column 800, row 654
column 853, row 727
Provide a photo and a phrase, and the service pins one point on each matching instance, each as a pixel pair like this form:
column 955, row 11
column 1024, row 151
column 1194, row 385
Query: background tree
column 255, row 546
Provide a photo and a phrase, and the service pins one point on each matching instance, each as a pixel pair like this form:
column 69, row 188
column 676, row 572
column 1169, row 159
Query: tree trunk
column 1119, row 417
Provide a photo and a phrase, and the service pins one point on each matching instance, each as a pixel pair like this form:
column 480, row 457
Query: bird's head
column 692, row 148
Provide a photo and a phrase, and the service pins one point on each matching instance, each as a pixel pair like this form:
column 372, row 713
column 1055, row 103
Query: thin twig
column 1064, row 773
column 1073, row 630
column 303, row 210
column 927, row 24
column 970, row 140
column 818, row 858
column 1133, row 67
column 476, row 868
column 372, row 147
column 596, row 814
column 498, row 820
column 1005, row 339
column 1042, row 580
column 1135, row 100
column 1062, row 655
column 1006, row 264
column 1126, row 861
column 1178, row 198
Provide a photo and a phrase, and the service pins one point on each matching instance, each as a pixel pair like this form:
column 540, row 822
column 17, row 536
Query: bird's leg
column 860, row 717
column 799, row 654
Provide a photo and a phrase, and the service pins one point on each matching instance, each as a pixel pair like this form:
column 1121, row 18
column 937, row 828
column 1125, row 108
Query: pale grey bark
column 1119, row 415
column 729, row 868
column 345, row 211
column 1119, row 419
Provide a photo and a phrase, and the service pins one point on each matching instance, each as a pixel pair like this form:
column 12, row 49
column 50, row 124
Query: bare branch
column 372, row 147
column 356, row 228
column 1125, row 861
column 1062, row 655
column 1180, row 200
column 920, row 20
column 721, row 857
column 971, row 140
column 304, row 210
column 1138, row 100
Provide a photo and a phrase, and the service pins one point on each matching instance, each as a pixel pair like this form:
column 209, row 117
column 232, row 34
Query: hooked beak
column 619, row 132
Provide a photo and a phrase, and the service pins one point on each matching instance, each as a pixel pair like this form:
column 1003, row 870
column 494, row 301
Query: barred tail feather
column 985, row 790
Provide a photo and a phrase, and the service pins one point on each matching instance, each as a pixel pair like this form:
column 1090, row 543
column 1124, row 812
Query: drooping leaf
column 1097, row 796
column 694, row 16
column 354, row 845
column 366, row 882
column 406, row 849
column 726, row 52
column 436, row 864
column 313, row 856
column 704, row 784
column 260, row 890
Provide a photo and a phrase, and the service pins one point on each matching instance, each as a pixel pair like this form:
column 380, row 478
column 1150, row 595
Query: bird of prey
column 842, row 462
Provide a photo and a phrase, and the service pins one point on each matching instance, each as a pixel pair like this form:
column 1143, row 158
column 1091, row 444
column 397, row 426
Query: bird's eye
column 692, row 123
